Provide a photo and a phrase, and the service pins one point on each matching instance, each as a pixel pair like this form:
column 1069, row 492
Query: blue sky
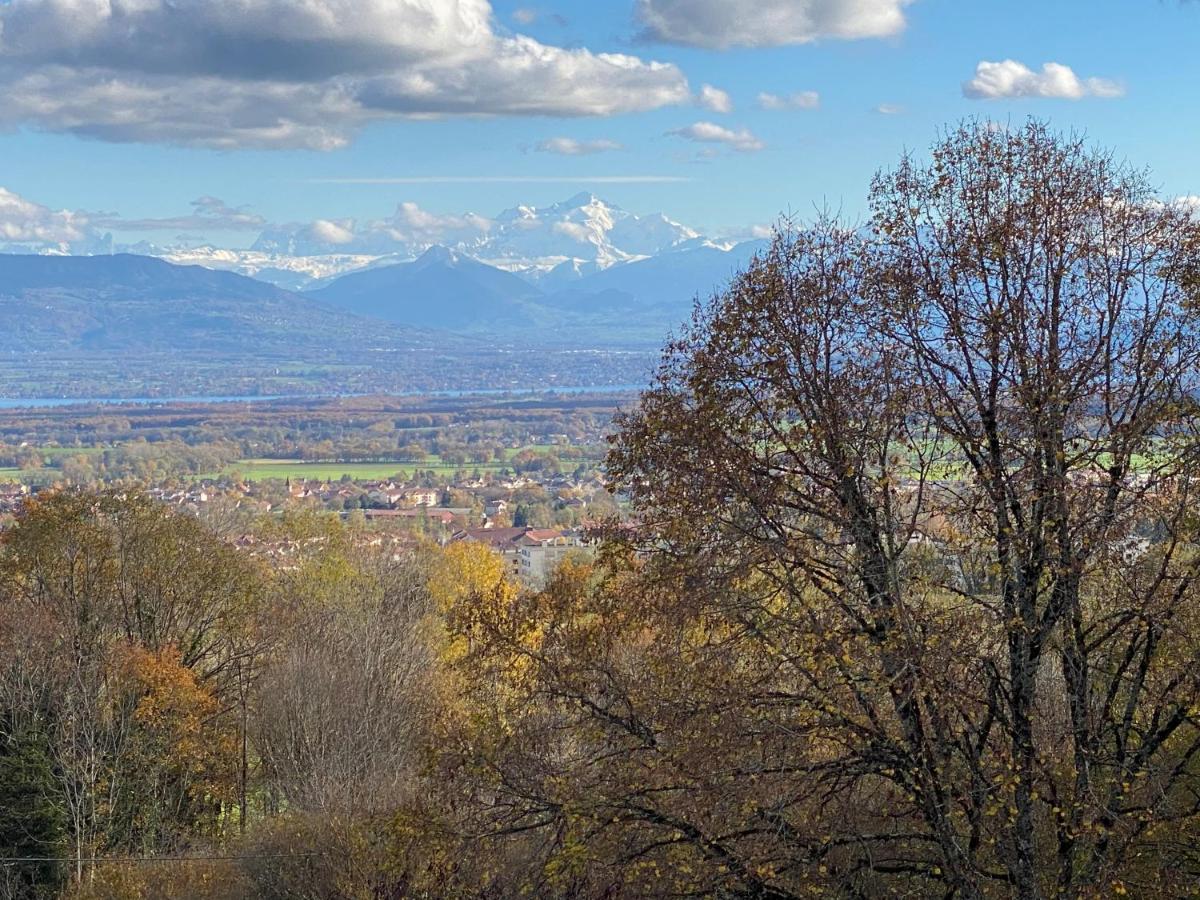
column 153, row 132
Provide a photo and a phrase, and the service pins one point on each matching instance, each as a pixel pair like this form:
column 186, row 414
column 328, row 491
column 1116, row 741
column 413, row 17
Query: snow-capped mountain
column 582, row 231
column 442, row 288
column 549, row 246
column 629, row 301
column 282, row 270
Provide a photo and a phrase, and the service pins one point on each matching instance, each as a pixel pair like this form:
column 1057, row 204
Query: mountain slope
column 664, row 285
column 442, row 289
column 583, row 228
column 136, row 304
column 549, row 246
column 639, row 300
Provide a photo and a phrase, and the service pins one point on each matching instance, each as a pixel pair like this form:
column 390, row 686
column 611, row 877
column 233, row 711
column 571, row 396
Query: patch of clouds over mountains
column 580, row 234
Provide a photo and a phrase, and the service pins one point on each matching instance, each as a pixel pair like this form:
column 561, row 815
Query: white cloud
column 767, row 23
column 25, row 222
column 565, row 146
column 278, row 73
column 520, row 76
column 799, row 100
column 710, row 133
column 208, row 213
column 889, row 109
column 525, row 16
column 411, row 222
column 576, row 231
column 408, row 230
column 715, row 99
column 996, row 80
column 327, row 232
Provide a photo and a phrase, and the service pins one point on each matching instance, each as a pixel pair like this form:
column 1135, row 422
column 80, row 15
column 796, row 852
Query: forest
column 908, row 606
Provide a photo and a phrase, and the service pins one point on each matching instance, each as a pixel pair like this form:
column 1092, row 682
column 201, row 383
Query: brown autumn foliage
column 918, row 614
column 911, row 610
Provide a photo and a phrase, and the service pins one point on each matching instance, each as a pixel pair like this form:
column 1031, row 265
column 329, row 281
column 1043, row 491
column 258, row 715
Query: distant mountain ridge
column 137, row 304
column 551, row 244
column 442, row 289
column 578, row 272
column 639, row 300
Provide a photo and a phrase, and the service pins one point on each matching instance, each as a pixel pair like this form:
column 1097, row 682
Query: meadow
column 264, row 468
column 258, row 469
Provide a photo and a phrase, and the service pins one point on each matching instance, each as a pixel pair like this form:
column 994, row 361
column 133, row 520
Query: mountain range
column 634, row 302
column 577, row 273
column 549, row 246
column 127, row 305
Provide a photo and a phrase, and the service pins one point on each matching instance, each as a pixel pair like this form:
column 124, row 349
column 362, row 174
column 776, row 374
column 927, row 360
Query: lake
column 36, row 402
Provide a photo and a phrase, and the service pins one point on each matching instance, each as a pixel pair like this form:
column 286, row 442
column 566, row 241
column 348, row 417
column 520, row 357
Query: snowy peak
column 583, row 198
column 584, row 228
column 559, row 243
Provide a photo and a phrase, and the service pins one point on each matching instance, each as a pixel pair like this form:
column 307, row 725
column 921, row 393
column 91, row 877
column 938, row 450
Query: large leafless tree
column 942, row 470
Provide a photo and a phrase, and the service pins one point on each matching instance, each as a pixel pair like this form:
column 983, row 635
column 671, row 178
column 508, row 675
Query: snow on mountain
column 551, row 246
column 584, row 229
column 282, row 270
column 441, row 288
column 560, row 242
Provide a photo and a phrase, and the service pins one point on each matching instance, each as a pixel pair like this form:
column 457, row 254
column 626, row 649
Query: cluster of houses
column 12, row 495
column 529, row 554
column 288, row 553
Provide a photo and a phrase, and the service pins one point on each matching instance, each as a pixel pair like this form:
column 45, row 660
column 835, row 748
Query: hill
column 661, row 286
column 441, row 289
column 137, row 304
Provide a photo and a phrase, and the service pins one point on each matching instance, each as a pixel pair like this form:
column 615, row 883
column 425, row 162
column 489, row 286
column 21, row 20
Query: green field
column 10, row 474
column 257, row 469
column 61, row 452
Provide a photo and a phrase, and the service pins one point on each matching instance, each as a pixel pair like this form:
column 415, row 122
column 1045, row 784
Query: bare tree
column 944, row 473
column 343, row 703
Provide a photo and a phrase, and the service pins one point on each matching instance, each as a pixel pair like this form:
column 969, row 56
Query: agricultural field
column 258, row 469
column 53, row 453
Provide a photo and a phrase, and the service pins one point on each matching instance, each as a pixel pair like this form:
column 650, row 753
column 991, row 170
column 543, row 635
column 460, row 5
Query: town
column 529, row 487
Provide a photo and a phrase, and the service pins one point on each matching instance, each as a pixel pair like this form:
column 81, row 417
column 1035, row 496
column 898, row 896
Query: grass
column 258, row 469
column 10, row 474
column 289, row 468
column 60, row 452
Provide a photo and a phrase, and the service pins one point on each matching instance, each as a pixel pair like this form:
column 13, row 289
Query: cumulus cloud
column 208, row 213
column 742, row 139
column 1009, row 78
column 715, row 99
column 798, row 100
column 326, row 232
column 276, row 73
column 407, row 231
column 565, row 146
column 410, row 224
column 721, row 24
column 24, row 222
